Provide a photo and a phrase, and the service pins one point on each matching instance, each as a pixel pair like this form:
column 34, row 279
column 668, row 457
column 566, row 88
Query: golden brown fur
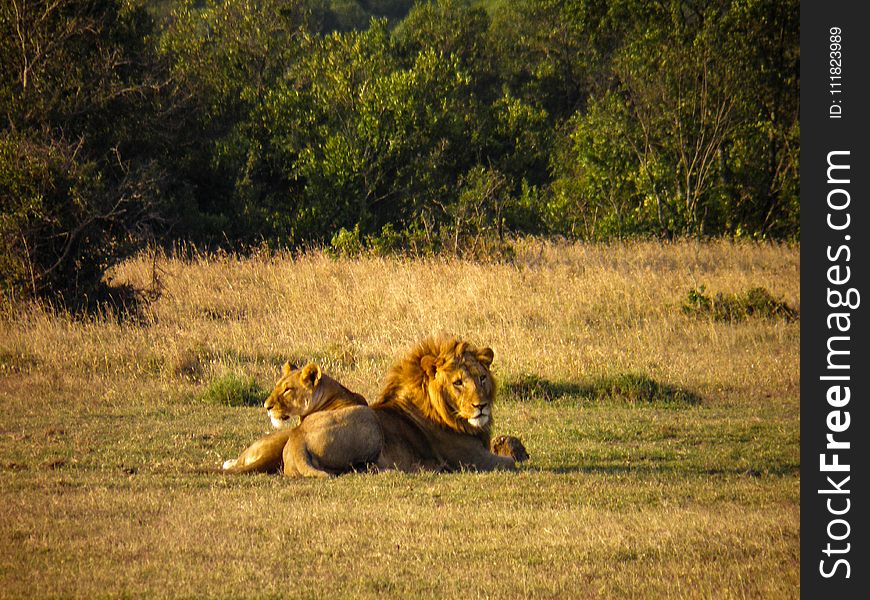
column 436, row 410
column 337, row 432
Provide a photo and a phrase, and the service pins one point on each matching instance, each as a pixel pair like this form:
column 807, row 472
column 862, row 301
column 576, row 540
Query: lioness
column 436, row 411
column 337, row 432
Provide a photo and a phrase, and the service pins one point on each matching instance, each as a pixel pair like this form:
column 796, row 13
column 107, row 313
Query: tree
column 78, row 183
column 598, row 189
column 226, row 57
column 682, row 98
column 367, row 141
column 759, row 164
column 551, row 53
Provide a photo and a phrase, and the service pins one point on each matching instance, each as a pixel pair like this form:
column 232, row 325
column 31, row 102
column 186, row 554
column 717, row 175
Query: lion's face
column 293, row 393
column 460, row 386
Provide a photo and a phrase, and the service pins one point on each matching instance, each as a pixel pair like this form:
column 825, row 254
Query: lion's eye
column 458, row 383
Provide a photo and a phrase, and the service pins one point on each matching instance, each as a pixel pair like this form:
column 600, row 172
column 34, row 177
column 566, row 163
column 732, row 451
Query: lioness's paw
column 229, row 463
column 508, row 445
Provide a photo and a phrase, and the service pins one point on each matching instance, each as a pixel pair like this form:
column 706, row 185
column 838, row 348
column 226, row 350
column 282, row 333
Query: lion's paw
column 508, row 445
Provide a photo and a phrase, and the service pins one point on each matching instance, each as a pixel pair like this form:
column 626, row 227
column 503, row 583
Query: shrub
column 345, row 243
column 63, row 224
column 755, row 302
column 389, row 241
column 80, row 182
column 233, row 390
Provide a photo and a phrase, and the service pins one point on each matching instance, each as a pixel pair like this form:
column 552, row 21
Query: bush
column 389, row 241
column 755, row 302
column 63, row 223
column 233, row 390
column 345, row 243
column 79, row 181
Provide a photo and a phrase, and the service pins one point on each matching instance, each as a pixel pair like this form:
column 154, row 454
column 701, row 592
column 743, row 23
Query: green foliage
column 755, row 302
column 597, row 193
column 389, row 241
column 665, row 148
column 448, row 27
column 226, row 57
column 548, row 51
column 79, row 183
column 521, row 139
column 476, row 221
column 233, row 390
column 328, row 16
column 760, row 162
column 366, row 140
column 346, row 243
column 44, row 189
column 446, row 126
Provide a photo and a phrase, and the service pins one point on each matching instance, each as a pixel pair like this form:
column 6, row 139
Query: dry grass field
column 665, row 445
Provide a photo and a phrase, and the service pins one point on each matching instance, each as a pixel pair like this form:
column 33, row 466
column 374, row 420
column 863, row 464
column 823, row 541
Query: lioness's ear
column 427, row 363
column 311, row 375
column 485, row 356
column 287, row 368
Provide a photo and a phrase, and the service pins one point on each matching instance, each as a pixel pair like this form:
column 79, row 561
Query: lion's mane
column 404, row 387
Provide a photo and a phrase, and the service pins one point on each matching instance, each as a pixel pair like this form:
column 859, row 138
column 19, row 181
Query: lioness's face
column 465, row 385
column 292, row 394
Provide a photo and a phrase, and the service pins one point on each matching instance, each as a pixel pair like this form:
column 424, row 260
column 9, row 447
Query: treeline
column 428, row 126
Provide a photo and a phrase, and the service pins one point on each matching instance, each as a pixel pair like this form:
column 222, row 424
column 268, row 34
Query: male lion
column 337, row 432
column 436, row 411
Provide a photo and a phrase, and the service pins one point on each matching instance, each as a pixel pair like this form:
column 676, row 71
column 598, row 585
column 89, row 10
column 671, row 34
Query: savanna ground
column 665, row 445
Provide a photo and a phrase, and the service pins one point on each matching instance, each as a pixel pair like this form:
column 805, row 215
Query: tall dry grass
column 558, row 311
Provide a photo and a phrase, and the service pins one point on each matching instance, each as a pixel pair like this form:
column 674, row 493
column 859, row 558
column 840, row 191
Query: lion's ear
column 485, row 356
column 287, row 369
column 429, row 366
column 311, row 375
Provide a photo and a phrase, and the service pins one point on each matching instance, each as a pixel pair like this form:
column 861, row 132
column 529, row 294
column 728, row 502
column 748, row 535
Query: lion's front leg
column 464, row 452
column 263, row 456
column 494, row 462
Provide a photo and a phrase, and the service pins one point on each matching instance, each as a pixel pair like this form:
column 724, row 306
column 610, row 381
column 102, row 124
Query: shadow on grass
column 776, row 471
column 621, row 388
column 17, row 361
column 123, row 304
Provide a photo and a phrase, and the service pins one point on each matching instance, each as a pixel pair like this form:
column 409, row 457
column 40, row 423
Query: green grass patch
column 619, row 388
column 755, row 302
column 233, row 390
